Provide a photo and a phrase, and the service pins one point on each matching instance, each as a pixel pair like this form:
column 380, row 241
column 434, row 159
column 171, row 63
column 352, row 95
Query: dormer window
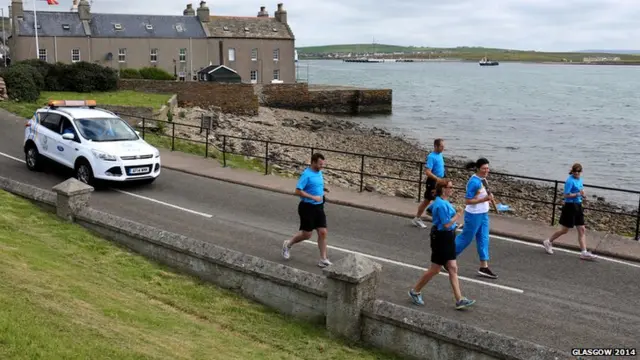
column 179, row 28
column 225, row 28
column 149, row 27
column 66, row 26
column 246, row 29
column 117, row 26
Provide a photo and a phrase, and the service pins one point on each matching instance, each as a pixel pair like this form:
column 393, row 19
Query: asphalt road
column 558, row 300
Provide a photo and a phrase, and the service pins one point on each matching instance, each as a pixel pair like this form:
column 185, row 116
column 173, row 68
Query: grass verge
column 122, row 98
column 67, row 294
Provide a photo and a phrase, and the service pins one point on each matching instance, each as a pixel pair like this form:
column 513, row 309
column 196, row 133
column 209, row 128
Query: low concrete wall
column 133, row 114
column 343, row 299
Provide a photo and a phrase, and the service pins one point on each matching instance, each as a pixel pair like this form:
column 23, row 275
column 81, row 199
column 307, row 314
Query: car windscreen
column 105, row 129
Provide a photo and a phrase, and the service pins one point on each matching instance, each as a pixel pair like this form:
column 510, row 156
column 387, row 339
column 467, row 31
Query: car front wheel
column 84, row 173
column 33, row 158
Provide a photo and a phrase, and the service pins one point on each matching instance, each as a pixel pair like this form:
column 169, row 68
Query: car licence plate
column 139, row 170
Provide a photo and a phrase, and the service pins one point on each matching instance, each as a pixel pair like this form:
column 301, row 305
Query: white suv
column 95, row 143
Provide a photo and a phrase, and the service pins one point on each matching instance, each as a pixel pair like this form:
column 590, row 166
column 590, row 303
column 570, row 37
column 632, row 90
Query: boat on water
column 487, row 62
column 364, row 60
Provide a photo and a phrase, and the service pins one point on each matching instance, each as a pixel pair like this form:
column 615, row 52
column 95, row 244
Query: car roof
column 81, row 112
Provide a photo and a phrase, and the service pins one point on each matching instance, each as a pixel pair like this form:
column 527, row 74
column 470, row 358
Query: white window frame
column 251, row 76
column 276, row 74
column 254, row 54
column 183, row 55
column 232, row 54
column 73, row 55
column 276, row 54
column 153, row 55
column 122, row 55
column 42, row 55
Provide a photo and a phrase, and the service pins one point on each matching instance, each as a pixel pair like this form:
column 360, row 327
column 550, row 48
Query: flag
column 52, row 2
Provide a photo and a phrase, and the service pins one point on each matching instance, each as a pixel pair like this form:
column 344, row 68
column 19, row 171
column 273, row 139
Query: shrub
column 130, row 74
column 58, row 77
column 42, row 66
column 154, row 73
column 21, row 83
column 83, row 76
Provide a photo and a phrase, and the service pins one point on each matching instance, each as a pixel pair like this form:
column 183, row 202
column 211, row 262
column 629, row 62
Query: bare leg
column 423, row 205
column 582, row 238
column 433, row 270
column 299, row 237
column 322, row 242
column 559, row 233
column 452, row 266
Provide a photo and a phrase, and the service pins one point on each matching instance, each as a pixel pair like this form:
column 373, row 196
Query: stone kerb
column 351, row 286
column 72, row 196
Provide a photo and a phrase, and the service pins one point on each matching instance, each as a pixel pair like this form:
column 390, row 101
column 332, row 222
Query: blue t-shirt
column 475, row 188
column 443, row 212
column 312, row 183
column 572, row 186
column 435, row 163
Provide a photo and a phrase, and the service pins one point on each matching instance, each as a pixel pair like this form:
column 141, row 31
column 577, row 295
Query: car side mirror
column 68, row 136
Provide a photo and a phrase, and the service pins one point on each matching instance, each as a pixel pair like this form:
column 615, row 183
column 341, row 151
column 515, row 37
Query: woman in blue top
column 443, row 247
column 572, row 213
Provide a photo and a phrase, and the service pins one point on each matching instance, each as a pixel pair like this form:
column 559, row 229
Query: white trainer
column 419, row 223
column 324, row 263
column 285, row 250
column 548, row 247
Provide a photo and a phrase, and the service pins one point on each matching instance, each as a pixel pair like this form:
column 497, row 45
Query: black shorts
column 572, row 215
column 430, row 190
column 311, row 216
column 443, row 246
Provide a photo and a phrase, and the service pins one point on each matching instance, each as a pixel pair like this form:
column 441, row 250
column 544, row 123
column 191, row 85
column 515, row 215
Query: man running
column 434, row 169
column 572, row 213
column 311, row 190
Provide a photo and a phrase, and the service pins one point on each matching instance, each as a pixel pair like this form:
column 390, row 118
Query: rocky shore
column 329, row 134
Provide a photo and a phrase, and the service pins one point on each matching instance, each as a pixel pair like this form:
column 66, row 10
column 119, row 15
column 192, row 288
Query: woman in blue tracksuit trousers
column 476, row 216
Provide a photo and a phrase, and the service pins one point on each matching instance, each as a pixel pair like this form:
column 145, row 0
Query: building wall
column 265, row 63
column 200, row 53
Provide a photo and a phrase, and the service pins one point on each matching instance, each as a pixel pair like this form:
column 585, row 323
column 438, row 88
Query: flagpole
column 35, row 27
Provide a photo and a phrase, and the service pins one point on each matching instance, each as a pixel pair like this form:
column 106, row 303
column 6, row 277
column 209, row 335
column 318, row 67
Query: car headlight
column 156, row 154
column 103, row 156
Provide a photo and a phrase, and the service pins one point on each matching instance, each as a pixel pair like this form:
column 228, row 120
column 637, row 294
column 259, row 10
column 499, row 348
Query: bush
column 130, row 74
column 21, row 83
column 42, row 66
column 154, row 73
column 87, row 77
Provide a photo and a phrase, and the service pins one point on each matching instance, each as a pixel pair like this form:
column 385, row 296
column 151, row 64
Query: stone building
column 259, row 48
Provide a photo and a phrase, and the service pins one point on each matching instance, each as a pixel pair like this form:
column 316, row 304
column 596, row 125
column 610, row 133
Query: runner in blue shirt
column 434, row 169
column 572, row 213
column 311, row 190
column 443, row 246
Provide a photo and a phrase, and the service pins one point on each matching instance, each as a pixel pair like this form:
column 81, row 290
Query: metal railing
column 269, row 159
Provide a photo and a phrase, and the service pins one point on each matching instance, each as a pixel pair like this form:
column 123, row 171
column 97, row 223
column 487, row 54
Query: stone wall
column 325, row 99
column 230, row 98
column 134, row 114
column 343, row 299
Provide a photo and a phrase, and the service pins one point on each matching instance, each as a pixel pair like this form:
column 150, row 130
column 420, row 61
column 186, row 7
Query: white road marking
column 164, row 203
column 134, row 195
column 520, row 291
column 599, row 257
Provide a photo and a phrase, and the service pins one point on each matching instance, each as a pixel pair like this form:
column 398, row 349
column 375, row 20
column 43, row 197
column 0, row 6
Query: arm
column 428, row 166
column 302, row 183
column 472, row 190
column 568, row 187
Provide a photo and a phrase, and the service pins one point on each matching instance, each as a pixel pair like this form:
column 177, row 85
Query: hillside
column 462, row 53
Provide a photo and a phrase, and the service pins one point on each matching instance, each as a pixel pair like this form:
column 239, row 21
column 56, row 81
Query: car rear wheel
column 84, row 173
column 33, row 159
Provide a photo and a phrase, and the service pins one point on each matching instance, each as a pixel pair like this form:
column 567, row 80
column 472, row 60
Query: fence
column 269, row 160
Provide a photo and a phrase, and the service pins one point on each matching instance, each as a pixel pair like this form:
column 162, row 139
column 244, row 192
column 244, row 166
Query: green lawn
column 67, row 294
column 124, row 98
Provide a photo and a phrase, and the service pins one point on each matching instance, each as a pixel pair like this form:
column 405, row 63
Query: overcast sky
column 552, row 25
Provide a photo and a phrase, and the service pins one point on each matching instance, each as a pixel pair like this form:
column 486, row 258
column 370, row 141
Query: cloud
column 551, row 25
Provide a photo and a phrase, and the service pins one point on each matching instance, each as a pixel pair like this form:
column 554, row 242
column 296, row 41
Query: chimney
column 189, row 11
column 17, row 10
column 203, row 12
column 84, row 10
column 74, row 6
column 281, row 14
column 263, row 12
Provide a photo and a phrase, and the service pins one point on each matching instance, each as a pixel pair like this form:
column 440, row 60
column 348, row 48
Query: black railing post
column 361, row 172
column 555, row 198
column 419, row 181
column 173, row 136
column 638, row 221
column 266, row 158
column 206, row 145
column 143, row 128
column 311, row 155
column 224, row 150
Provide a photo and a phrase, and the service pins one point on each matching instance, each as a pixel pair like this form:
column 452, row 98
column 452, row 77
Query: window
column 122, row 55
column 117, row 26
column 232, row 54
column 183, row 55
column 254, row 76
column 67, row 128
column 276, row 54
column 105, row 129
column 254, row 54
column 154, row 55
column 276, row 74
column 42, row 54
column 52, row 122
column 66, row 27
column 75, row 55
column 149, row 27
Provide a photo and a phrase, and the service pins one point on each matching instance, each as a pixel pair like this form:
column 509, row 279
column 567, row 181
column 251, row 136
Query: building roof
column 248, row 27
column 213, row 68
column 52, row 23
column 135, row 26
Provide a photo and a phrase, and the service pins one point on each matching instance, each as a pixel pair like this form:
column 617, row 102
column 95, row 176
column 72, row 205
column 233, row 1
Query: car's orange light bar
column 71, row 103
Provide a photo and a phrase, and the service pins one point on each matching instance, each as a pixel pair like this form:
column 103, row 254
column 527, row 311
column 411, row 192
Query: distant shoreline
column 424, row 60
